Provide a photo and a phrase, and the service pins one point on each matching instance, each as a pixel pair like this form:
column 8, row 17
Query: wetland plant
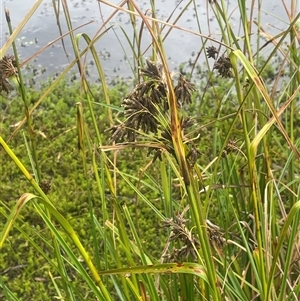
column 184, row 187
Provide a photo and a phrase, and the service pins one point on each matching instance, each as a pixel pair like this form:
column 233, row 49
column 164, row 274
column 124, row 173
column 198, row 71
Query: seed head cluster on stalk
column 147, row 114
column 7, row 69
column 222, row 64
column 146, row 109
column 187, row 243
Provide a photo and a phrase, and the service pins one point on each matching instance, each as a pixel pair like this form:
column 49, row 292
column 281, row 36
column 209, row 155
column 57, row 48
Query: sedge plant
column 187, row 183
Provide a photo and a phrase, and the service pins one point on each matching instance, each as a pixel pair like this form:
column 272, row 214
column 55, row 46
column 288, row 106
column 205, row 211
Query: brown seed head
column 212, row 52
column 223, row 65
column 7, row 14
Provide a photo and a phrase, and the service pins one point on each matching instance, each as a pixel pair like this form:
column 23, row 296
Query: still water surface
column 112, row 48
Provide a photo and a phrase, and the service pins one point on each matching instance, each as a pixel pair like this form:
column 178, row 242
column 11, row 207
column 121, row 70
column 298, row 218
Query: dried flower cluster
column 230, row 147
column 212, row 52
column 193, row 155
column 222, row 64
column 148, row 103
column 7, row 69
column 141, row 106
column 183, row 90
column 181, row 234
column 45, row 186
column 216, row 236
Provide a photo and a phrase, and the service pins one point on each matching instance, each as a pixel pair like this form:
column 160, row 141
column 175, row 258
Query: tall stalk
column 19, row 76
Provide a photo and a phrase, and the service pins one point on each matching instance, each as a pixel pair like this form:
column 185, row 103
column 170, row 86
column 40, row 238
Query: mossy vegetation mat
column 64, row 182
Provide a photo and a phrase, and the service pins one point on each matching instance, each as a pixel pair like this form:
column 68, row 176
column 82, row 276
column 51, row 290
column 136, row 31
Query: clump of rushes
column 146, row 110
column 7, row 69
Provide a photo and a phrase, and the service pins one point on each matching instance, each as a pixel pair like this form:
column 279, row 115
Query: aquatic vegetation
column 173, row 186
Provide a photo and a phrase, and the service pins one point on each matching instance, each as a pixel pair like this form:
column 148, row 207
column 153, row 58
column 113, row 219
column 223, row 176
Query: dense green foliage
column 181, row 186
column 56, row 137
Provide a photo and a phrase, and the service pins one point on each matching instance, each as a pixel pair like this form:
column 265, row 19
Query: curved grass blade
column 13, row 215
column 253, row 74
column 164, row 268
